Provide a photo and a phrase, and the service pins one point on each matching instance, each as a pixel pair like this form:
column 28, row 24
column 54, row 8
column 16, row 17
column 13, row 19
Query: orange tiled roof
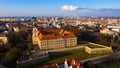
column 54, row 34
column 2, row 35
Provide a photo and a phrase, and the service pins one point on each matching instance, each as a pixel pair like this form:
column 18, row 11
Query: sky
column 59, row 7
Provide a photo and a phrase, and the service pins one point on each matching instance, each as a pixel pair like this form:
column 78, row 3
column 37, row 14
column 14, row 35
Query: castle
column 53, row 38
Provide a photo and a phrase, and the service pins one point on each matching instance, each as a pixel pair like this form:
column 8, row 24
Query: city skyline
column 59, row 8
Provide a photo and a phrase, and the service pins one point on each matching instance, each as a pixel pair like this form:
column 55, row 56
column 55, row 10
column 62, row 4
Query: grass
column 93, row 46
column 60, row 58
column 107, row 64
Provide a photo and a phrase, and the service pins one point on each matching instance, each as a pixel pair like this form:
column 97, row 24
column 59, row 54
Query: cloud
column 99, row 11
column 106, row 9
column 102, row 9
column 85, row 9
column 92, row 11
column 69, row 7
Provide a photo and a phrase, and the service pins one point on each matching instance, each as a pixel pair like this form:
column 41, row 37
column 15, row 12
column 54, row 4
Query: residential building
column 3, row 38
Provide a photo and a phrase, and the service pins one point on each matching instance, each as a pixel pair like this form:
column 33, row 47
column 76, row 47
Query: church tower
column 35, row 36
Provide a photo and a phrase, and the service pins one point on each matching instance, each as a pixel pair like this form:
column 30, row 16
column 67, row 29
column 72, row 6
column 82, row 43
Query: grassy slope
column 74, row 55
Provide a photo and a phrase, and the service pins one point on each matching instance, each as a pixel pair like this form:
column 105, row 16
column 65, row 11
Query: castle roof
column 54, row 34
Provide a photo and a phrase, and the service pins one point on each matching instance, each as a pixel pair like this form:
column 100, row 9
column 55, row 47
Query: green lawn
column 69, row 55
column 93, row 46
column 76, row 55
column 107, row 64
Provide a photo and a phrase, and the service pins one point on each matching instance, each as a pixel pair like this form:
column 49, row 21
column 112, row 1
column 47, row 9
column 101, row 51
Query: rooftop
column 73, row 63
column 2, row 35
column 54, row 34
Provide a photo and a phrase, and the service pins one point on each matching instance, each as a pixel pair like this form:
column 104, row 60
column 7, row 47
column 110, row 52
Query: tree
column 14, row 38
column 88, row 64
column 3, row 51
column 30, row 46
column 116, row 46
column 23, row 32
column 103, row 39
column 29, row 37
column 11, row 57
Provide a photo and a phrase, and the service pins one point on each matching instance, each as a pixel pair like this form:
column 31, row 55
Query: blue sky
column 59, row 7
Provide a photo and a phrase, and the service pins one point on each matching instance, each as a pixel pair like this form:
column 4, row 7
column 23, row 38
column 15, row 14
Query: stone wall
column 105, row 49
